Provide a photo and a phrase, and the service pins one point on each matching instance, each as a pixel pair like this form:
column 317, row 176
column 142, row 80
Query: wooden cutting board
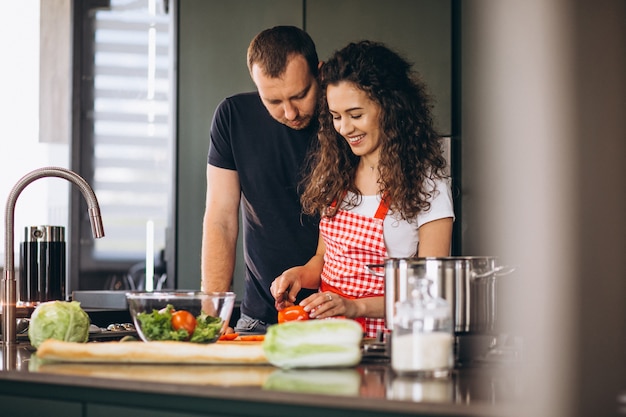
column 153, row 352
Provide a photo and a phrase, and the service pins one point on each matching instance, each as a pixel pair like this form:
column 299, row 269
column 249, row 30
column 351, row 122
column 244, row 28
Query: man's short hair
column 271, row 49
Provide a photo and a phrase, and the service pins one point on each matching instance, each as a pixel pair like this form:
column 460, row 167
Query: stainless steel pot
column 468, row 283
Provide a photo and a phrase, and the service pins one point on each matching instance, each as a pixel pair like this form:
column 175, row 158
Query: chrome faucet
column 9, row 288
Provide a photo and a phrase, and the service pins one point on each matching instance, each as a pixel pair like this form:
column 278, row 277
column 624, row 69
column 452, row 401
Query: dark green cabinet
column 36, row 407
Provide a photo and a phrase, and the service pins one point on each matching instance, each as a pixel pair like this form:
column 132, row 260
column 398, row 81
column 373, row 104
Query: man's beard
column 298, row 124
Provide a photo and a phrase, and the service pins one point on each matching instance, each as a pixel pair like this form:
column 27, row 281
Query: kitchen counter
column 370, row 389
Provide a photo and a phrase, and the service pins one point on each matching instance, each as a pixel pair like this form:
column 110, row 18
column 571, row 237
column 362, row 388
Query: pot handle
column 371, row 271
column 498, row 271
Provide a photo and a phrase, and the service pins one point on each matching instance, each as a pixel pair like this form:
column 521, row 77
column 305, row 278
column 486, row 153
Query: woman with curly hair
column 377, row 180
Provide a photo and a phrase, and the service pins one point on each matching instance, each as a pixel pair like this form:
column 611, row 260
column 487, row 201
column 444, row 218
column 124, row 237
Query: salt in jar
column 422, row 337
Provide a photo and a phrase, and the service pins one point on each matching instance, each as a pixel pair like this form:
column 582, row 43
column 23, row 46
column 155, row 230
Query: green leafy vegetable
column 314, row 343
column 157, row 325
column 207, row 329
column 60, row 320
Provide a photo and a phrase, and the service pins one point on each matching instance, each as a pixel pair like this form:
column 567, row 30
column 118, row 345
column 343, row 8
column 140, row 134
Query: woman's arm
column 435, row 238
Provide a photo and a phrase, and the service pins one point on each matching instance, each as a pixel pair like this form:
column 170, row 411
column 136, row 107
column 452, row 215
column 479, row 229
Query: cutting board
column 165, row 352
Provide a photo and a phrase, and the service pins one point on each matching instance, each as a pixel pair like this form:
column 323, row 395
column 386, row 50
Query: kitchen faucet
column 9, row 294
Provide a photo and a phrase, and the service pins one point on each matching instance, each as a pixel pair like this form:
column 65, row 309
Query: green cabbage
column 61, row 320
column 314, row 343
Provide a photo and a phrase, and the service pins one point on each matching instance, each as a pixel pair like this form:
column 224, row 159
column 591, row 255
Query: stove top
column 112, row 332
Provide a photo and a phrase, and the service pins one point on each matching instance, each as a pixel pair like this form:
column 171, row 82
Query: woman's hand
column 285, row 288
column 328, row 304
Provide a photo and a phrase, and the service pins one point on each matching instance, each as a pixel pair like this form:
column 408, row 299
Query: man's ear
column 320, row 65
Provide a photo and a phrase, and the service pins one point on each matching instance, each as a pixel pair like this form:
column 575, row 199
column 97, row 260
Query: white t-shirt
column 401, row 237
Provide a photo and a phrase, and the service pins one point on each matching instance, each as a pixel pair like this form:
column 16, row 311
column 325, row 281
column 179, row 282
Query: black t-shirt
column 268, row 157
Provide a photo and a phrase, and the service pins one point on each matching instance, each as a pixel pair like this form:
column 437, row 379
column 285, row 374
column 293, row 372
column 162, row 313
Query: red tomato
column 182, row 319
column 292, row 313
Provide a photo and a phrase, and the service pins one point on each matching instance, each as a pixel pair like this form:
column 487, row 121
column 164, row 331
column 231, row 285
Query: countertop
column 371, row 388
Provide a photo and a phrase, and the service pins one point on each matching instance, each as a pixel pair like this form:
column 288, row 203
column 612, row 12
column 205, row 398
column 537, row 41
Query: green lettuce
column 314, row 343
column 60, row 320
column 207, row 329
column 157, row 325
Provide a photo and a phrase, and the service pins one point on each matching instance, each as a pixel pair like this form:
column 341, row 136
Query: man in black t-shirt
column 259, row 142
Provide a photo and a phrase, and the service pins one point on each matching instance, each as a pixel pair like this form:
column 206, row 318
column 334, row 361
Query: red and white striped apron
column 353, row 241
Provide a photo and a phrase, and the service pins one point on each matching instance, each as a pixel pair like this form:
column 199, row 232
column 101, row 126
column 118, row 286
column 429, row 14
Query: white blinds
column 132, row 125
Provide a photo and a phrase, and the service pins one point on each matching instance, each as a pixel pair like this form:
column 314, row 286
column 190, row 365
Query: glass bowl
column 188, row 316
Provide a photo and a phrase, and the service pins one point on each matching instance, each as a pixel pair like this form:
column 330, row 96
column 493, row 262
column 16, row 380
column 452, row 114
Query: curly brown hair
column 411, row 151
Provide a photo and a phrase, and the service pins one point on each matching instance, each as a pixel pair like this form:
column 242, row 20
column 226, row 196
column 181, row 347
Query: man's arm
column 220, row 228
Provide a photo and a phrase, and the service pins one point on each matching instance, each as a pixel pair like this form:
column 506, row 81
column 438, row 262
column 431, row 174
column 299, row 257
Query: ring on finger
column 329, row 297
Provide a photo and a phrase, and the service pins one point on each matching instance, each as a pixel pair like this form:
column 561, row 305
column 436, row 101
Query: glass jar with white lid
column 422, row 337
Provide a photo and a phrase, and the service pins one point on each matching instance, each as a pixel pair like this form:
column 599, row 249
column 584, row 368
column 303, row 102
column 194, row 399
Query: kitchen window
column 124, row 144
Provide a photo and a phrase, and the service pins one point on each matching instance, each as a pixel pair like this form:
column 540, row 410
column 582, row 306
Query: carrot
column 252, row 338
column 229, row 336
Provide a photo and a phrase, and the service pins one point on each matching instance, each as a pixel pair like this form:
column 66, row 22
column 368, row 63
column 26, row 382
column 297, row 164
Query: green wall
column 213, row 39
